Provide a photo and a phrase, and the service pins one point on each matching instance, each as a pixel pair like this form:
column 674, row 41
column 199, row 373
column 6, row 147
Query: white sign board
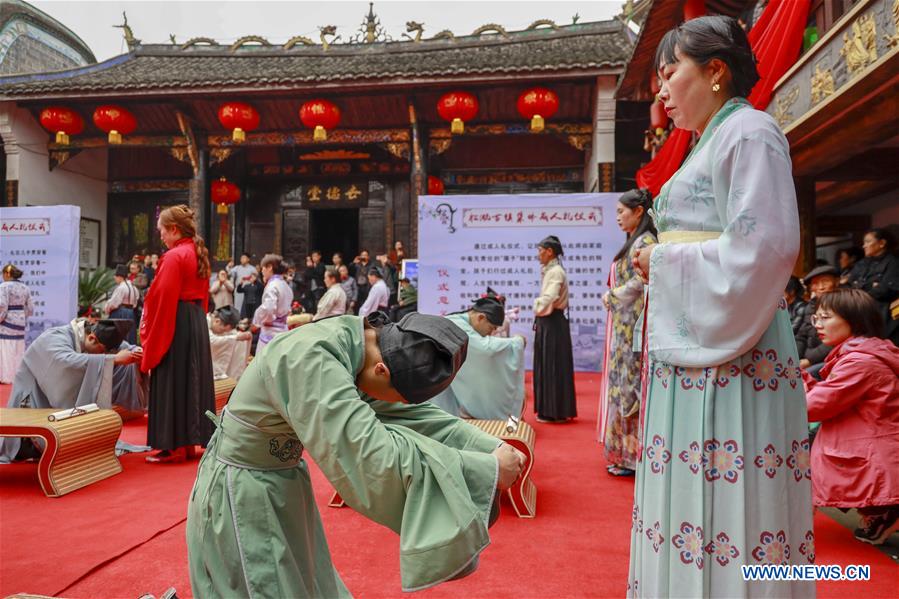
column 42, row 242
column 467, row 243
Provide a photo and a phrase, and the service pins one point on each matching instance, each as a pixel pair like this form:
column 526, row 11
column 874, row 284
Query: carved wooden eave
column 219, row 155
column 304, row 138
column 191, row 151
column 843, row 92
column 577, row 135
column 60, row 157
column 60, row 153
column 399, row 149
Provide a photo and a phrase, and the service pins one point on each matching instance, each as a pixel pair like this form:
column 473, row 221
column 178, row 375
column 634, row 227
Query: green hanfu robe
column 253, row 529
column 490, row 385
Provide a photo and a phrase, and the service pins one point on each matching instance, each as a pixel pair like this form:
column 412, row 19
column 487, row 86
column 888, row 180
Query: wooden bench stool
column 523, row 493
column 223, row 389
column 80, row 450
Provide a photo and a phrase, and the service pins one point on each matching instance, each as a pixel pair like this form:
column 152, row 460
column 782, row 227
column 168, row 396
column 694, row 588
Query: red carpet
column 576, row 547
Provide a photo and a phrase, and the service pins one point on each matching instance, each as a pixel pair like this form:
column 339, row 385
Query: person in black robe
column 554, row 396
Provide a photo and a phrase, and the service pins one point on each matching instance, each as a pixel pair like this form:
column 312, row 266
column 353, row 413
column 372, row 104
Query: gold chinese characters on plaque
column 335, row 195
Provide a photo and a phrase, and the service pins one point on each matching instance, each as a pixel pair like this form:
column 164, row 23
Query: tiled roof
column 172, row 68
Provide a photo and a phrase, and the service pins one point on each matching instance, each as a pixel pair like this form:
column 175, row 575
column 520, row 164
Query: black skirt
column 554, row 397
column 181, row 387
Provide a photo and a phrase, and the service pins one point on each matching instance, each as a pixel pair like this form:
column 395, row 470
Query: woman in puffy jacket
column 853, row 458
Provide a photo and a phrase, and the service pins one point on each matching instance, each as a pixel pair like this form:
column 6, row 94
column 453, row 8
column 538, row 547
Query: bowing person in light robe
column 78, row 364
column 230, row 348
column 271, row 315
column 350, row 394
column 490, row 385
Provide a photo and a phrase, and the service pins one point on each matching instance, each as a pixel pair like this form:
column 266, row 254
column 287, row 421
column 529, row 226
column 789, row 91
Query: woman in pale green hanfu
column 724, row 477
column 253, row 529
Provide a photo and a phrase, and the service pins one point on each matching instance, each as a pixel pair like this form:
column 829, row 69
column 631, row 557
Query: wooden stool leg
column 45, row 463
column 336, row 500
column 524, row 497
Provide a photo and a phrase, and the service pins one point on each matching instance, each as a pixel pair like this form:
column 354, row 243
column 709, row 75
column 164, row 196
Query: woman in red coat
column 175, row 339
column 854, row 457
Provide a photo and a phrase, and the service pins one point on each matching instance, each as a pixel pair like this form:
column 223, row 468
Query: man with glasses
column 74, row 365
column 812, row 351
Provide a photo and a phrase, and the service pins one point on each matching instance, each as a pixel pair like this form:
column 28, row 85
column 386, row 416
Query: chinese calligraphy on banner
column 42, row 242
column 469, row 242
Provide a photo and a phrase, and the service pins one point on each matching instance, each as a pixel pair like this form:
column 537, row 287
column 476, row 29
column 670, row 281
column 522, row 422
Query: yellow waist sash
column 687, row 236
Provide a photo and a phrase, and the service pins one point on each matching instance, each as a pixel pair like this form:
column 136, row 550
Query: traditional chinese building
column 357, row 188
column 838, row 106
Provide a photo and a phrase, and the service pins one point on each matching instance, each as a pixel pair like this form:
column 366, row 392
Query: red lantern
column 435, row 186
column 238, row 117
column 319, row 115
column 657, row 117
column 224, row 193
column 537, row 104
column 114, row 120
column 693, row 9
column 62, row 121
column 457, row 107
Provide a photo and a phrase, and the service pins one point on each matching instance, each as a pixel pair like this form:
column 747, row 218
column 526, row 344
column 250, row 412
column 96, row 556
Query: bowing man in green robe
column 350, row 394
column 490, row 385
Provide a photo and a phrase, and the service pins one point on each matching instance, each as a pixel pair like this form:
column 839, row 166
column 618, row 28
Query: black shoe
column 27, row 451
column 877, row 529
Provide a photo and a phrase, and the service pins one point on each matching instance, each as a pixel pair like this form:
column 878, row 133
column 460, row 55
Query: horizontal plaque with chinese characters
column 335, row 195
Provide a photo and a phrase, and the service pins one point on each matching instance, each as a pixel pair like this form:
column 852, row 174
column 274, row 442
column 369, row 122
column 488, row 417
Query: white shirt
column 553, row 290
column 275, row 306
column 332, row 303
column 125, row 294
column 378, row 297
column 229, row 354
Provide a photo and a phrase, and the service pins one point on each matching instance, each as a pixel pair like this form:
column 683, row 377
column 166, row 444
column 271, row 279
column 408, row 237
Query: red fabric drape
column 668, row 159
column 777, row 45
column 776, row 40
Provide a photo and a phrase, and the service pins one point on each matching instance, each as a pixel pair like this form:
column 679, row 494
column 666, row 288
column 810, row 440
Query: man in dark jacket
column 795, row 304
column 252, row 296
column 878, row 275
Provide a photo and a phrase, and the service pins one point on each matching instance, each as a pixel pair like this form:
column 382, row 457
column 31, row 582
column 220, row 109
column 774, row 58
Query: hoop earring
column 716, row 87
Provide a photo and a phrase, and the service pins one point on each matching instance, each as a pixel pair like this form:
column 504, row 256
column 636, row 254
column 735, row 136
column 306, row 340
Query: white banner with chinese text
column 42, row 242
column 466, row 243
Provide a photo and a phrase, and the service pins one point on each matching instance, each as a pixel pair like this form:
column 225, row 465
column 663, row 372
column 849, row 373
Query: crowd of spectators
column 847, row 337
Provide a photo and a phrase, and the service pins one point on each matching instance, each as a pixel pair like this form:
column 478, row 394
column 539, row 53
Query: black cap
column 228, row 315
column 121, row 270
column 492, row 308
column 423, row 353
column 374, row 270
column 552, row 242
column 112, row 331
column 818, row 271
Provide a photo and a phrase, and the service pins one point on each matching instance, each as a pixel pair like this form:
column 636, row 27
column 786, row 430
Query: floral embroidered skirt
column 724, row 477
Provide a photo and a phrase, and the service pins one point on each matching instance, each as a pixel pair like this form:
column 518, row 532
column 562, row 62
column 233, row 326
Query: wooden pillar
column 805, row 198
column 418, row 182
column 11, row 194
column 199, row 195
